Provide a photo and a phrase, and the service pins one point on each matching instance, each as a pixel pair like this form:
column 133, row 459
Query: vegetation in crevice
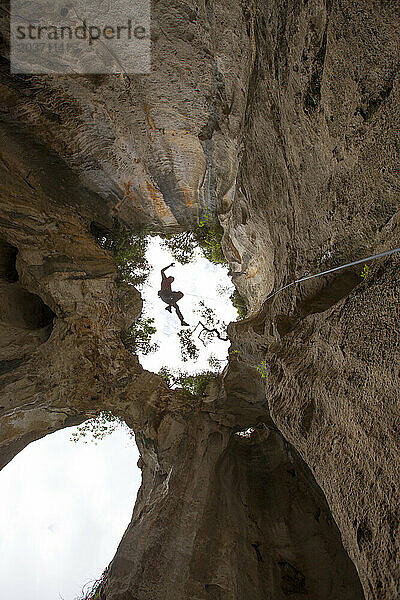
column 95, row 589
column 262, row 369
column 239, row 303
column 366, row 271
column 98, row 427
column 137, row 338
column 192, row 385
column 128, row 247
column 207, row 237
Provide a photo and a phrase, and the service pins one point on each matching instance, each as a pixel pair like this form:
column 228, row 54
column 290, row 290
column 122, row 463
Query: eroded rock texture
column 237, row 517
column 282, row 117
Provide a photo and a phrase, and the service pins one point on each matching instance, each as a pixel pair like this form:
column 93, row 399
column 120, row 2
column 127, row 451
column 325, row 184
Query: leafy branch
column 207, row 237
column 98, row 427
column 211, row 327
column 128, row 247
column 137, row 338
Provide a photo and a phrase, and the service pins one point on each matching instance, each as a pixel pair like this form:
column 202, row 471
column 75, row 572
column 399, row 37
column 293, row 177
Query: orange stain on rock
column 129, row 195
column 160, row 207
column 234, row 250
column 149, row 118
column 251, row 272
column 127, row 186
column 187, row 196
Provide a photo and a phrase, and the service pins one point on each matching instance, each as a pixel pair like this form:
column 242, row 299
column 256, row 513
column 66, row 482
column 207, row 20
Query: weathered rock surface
column 236, row 517
column 284, row 118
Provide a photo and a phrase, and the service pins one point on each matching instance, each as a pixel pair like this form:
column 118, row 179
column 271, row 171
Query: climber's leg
column 176, row 296
column 180, row 315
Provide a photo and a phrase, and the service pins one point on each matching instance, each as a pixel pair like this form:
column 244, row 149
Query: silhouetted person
column 169, row 297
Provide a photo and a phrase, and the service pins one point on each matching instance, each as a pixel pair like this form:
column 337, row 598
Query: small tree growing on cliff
column 239, row 303
column 128, row 247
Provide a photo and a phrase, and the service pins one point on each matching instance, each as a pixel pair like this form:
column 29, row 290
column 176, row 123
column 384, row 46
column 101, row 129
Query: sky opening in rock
column 198, row 280
column 65, row 505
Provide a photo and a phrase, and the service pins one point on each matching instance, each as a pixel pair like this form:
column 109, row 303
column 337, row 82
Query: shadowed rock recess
column 283, row 118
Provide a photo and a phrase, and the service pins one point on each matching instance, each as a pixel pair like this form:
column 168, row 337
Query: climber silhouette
column 169, row 297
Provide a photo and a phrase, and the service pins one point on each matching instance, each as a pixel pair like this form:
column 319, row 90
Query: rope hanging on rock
column 356, row 262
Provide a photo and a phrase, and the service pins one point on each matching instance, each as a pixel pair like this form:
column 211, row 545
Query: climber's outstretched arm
column 164, row 269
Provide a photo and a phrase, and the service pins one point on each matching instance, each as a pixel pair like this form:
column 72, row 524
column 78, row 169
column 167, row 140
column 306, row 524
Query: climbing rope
column 285, row 287
column 356, row 262
column 152, row 287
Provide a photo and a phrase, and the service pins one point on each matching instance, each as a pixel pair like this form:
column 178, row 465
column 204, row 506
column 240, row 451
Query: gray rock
column 284, row 119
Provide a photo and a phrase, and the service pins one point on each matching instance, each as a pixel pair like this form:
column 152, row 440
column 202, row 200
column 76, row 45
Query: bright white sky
column 64, row 506
column 198, row 281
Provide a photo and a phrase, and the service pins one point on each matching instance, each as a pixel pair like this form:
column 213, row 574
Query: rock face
column 236, row 517
column 283, row 118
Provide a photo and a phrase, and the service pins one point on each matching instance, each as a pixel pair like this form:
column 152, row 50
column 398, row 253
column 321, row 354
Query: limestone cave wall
column 282, row 118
